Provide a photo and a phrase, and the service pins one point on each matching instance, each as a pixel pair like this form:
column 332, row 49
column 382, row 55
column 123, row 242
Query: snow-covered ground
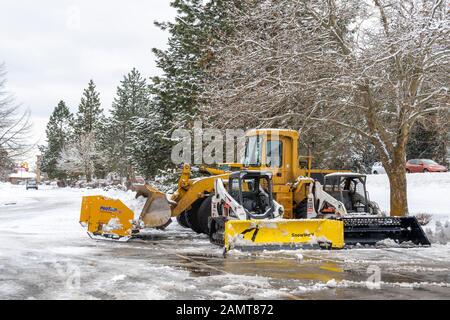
column 45, row 254
column 428, row 193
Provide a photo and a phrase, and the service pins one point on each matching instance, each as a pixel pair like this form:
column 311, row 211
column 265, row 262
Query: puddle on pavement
column 277, row 269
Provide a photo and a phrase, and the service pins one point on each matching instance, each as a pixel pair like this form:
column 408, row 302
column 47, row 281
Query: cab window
column 253, row 151
column 274, row 154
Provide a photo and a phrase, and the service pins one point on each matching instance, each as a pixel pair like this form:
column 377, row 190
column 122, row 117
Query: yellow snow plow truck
column 324, row 207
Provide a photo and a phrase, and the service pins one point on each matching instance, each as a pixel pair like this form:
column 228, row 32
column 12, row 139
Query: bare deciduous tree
column 80, row 156
column 14, row 126
column 365, row 70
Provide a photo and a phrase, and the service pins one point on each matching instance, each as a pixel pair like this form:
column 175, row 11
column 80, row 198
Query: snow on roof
column 345, row 174
column 23, row 175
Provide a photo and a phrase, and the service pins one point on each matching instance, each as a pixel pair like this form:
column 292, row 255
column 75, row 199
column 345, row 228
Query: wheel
column 191, row 216
column 203, row 214
column 181, row 219
column 408, row 171
column 375, row 172
column 300, row 211
column 425, row 170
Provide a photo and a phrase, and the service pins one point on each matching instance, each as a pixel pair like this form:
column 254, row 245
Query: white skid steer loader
column 245, row 216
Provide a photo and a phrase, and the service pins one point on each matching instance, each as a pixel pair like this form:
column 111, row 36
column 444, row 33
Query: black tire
column 375, row 172
column 301, row 210
column 425, row 171
column 181, row 219
column 408, row 171
column 192, row 216
column 203, row 214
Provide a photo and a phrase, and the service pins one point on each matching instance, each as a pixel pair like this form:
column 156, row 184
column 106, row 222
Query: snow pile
column 7, row 194
column 440, row 233
column 334, row 284
column 136, row 205
column 113, row 224
column 390, row 243
column 119, row 277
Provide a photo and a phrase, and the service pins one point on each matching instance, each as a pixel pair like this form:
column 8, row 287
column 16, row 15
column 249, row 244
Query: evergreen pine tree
column 90, row 121
column 90, row 114
column 131, row 101
column 177, row 92
column 59, row 131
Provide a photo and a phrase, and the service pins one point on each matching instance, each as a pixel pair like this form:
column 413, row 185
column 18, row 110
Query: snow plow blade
column 157, row 211
column 106, row 218
column 370, row 231
column 279, row 234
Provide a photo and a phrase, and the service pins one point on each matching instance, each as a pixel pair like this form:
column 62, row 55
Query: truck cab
column 277, row 151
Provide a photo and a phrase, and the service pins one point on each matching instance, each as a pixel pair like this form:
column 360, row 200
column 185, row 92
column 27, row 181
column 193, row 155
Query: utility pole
column 38, row 168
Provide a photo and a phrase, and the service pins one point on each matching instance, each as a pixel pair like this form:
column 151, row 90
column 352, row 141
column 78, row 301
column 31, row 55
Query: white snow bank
column 7, row 194
column 439, row 233
column 427, row 192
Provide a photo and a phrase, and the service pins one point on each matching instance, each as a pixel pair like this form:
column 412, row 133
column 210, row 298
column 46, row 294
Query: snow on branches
column 366, row 69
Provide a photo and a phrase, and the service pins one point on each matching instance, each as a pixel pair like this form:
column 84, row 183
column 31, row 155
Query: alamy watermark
column 374, row 280
column 212, row 146
column 73, row 18
column 70, row 274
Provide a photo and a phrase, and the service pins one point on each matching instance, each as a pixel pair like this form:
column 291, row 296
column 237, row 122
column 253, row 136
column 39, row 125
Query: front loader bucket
column 157, row 211
column 370, row 231
column 106, row 218
column 283, row 234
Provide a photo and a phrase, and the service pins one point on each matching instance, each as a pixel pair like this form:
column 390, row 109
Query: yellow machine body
column 281, row 234
column 106, row 217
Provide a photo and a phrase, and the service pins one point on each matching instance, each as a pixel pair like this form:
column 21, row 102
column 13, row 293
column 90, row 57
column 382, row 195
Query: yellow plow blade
column 106, row 217
column 110, row 218
column 284, row 234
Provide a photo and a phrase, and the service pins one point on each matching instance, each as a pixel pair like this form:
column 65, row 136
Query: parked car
column 377, row 168
column 424, row 165
column 32, row 184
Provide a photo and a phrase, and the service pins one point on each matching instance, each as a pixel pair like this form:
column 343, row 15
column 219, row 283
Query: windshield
column 429, row 162
column 252, row 156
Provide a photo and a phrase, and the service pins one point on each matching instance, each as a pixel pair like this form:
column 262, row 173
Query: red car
column 424, row 165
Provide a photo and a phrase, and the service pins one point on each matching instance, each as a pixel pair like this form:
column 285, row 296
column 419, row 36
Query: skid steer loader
column 268, row 150
column 245, row 216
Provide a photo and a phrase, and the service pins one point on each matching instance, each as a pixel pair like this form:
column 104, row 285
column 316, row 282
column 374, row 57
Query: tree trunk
column 397, row 183
column 88, row 175
column 399, row 200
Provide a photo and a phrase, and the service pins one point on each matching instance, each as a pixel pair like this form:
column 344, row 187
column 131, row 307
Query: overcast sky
column 52, row 48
